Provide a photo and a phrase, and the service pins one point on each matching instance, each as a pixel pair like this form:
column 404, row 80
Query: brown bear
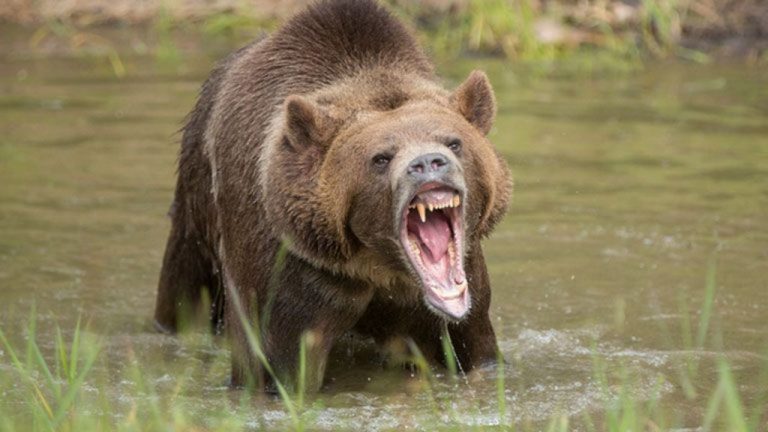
column 328, row 184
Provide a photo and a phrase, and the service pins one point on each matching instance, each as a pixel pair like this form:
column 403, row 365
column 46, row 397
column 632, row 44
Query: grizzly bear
column 328, row 184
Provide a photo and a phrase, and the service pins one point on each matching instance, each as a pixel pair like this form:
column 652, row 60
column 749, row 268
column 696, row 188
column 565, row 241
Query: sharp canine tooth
column 456, row 201
column 422, row 212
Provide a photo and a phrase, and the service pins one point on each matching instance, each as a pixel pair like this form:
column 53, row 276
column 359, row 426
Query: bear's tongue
column 434, row 234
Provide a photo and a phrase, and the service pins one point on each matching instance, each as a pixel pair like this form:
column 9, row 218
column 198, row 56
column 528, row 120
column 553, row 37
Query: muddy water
column 626, row 189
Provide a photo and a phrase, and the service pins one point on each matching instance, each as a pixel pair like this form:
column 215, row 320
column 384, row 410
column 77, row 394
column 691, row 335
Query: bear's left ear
column 305, row 122
column 475, row 101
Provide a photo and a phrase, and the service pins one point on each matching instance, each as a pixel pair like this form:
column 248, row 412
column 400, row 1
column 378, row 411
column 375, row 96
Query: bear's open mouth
column 432, row 236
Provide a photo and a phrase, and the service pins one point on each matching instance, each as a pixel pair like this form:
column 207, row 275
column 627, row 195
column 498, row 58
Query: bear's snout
column 428, row 167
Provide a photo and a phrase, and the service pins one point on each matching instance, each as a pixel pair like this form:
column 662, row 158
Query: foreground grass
column 72, row 387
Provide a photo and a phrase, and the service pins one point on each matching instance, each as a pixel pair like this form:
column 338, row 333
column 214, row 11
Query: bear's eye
column 454, row 144
column 381, row 160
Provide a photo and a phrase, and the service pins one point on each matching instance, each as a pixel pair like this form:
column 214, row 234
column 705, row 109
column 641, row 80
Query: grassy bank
column 617, row 33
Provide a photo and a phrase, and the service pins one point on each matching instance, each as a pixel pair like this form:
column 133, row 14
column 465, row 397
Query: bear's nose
column 428, row 166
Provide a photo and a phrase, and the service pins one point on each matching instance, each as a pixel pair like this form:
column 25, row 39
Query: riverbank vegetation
column 594, row 34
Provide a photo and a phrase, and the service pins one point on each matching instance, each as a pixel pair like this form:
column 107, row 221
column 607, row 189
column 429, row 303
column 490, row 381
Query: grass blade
column 62, row 363
column 709, row 299
column 65, row 402
column 74, row 352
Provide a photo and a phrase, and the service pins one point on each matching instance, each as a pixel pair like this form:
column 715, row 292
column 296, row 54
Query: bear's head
column 392, row 184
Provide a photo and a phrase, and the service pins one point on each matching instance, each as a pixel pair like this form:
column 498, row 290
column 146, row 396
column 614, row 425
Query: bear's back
column 327, row 42
column 336, row 38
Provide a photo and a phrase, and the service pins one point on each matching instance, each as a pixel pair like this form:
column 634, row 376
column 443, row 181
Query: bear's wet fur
column 304, row 169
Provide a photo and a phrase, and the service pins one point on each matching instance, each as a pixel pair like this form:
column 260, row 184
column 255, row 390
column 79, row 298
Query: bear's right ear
column 305, row 122
column 475, row 101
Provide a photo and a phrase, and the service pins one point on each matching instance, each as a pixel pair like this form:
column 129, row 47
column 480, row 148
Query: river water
column 628, row 189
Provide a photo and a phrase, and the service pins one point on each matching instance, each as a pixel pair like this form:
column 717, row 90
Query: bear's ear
column 475, row 101
column 305, row 122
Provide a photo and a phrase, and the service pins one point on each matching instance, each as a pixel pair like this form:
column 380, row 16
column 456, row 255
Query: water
column 626, row 188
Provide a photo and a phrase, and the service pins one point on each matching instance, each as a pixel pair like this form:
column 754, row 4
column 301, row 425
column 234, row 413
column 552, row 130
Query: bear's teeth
column 423, row 207
column 422, row 212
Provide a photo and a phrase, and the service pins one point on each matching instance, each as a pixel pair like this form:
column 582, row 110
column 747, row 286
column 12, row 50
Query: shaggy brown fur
column 278, row 150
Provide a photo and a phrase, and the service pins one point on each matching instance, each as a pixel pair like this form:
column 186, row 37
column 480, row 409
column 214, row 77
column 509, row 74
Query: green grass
column 67, row 384
column 81, row 41
column 500, row 28
column 497, row 27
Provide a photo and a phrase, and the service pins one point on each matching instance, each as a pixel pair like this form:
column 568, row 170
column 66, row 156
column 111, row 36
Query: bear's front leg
column 306, row 305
